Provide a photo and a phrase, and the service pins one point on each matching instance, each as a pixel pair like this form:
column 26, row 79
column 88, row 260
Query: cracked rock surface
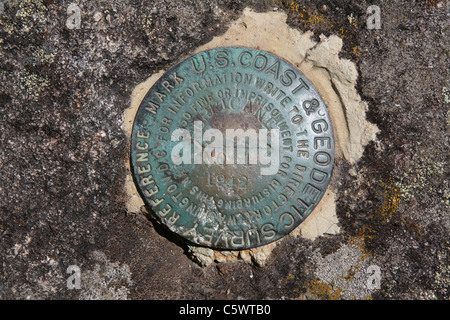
column 63, row 152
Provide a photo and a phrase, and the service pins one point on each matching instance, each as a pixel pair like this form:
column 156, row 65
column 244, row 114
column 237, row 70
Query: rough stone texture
column 63, row 152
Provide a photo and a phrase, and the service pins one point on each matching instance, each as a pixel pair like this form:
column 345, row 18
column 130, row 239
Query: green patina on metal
column 225, row 204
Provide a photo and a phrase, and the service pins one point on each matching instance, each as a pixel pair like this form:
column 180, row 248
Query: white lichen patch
column 107, row 281
column 335, row 79
column 417, row 177
column 346, row 273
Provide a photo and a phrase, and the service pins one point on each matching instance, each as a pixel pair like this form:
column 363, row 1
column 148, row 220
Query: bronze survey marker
column 222, row 187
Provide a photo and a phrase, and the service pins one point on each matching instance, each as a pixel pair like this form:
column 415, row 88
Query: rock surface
column 63, row 154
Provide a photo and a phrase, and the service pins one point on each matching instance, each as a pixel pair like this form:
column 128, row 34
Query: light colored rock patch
column 335, row 80
column 322, row 221
column 108, row 281
column 347, row 272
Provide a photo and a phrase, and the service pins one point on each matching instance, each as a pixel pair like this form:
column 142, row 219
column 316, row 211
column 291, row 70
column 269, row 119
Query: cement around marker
column 335, row 79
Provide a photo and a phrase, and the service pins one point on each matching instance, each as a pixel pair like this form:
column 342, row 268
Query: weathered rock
column 64, row 152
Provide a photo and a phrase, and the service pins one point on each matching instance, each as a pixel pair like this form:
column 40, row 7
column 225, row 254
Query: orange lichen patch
column 306, row 15
column 383, row 214
column 388, row 209
column 290, row 277
column 317, row 18
column 364, row 233
column 386, row 213
column 391, row 202
column 310, row 15
column 323, row 290
column 293, row 6
column 342, row 32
